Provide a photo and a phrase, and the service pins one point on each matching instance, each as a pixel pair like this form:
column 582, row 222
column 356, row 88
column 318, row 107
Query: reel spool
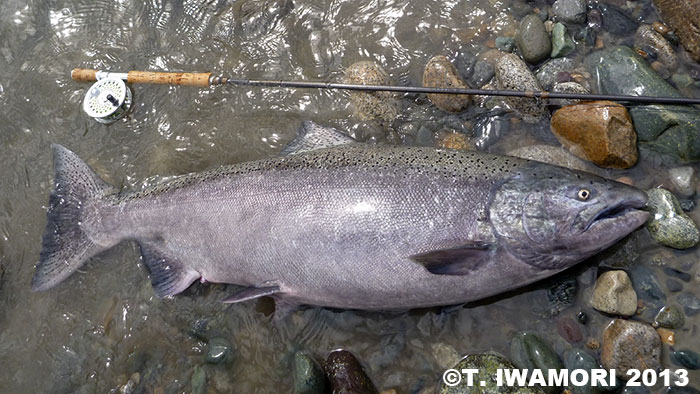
column 107, row 100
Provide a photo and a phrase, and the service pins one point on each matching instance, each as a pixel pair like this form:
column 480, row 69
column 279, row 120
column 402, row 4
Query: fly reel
column 107, row 100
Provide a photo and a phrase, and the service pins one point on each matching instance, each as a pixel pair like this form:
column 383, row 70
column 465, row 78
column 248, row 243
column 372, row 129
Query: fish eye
column 583, row 194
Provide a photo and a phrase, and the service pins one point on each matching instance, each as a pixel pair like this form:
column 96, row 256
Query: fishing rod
column 210, row 80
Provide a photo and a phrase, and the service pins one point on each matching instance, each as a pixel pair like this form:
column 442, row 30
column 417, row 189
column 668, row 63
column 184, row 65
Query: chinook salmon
column 336, row 223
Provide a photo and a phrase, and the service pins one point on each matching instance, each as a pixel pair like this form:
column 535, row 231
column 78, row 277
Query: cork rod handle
column 163, row 78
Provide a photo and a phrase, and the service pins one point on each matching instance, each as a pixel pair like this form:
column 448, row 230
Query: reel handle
column 153, row 77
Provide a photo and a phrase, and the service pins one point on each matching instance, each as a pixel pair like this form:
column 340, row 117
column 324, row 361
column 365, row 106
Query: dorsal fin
column 312, row 136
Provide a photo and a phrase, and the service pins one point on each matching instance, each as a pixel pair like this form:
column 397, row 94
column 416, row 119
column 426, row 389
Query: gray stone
column 547, row 73
column 683, row 180
column 562, row 44
column 570, row 11
column 682, row 81
column 567, row 87
column 579, row 359
column 505, row 44
column 670, row 129
column 483, row 72
column 199, row 380
column 648, row 39
column 382, row 107
column 690, row 303
column 489, row 129
column 669, row 225
column 532, row 39
column 615, row 20
column 613, row 294
column 674, row 286
column 553, row 155
column 513, row 74
column 488, row 365
column 670, row 316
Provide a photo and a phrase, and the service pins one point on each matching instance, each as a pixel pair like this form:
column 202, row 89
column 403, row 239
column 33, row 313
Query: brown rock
column 440, row 73
column 613, row 293
column 382, row 107
column 593, row 344
column 683, row 17
column 449, row 140
column 599, row 131
column 667, row 336
column 630, row 345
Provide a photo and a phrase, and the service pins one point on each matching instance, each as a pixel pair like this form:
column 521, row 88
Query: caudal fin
column 65, row 246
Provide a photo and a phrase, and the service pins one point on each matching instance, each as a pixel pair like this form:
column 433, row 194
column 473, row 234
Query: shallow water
column 104, row 323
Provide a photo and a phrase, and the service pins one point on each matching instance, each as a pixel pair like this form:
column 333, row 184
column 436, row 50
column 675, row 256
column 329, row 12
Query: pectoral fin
column 455, row 261
column 249, row 293
column 168, row 275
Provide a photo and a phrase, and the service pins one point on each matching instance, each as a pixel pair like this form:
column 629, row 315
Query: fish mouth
column 627, row 211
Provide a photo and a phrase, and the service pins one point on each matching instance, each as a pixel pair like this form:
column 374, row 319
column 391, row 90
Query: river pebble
column 382, row 107
column 690, row 303
column 613, row 294
column 686, row 358
column 569, row 330
column 615, row 20
column 529, row 351
column 567, row 87
column 667, row 336
column 684, row 276
column 674, row 286
column 580, row 359
column 513, row 74
column 650, row 41
column 483, row 72
column 440, row 73
column 599, row 131
column 570, row 11
column 630, row 345
column 669, row 225
column 532, row 39
column 683, row 17
column 199, row 380
column 218, row 351
column 683, row 180
column 308, row 375
column 562, row 44
column 505, row 44
column 670, row 316
column 488, row 365
column 549, row 73
column 345, row 374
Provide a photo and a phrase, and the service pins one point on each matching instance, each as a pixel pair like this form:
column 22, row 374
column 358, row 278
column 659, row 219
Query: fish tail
column 65, row 246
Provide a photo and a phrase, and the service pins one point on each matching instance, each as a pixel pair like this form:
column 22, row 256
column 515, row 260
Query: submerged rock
column 646, row 38
column 670, row 316
column 630, row 345
column 489, row 129
column 613, row 293
column 569, row 330
column 529, row 351
column 615, row 20
column 532, row 39
column 382, row 107
column 669, row 225
column 682, row 179
column 548, row 74
column 579, row 359
column 513, row 74
column 552, row 155
column 684, row 18
column 567, row 87
column 562, row 44
column 599, row 131
column 488, row 365
column 440, row 73
column 218, row 351
column 690, row 303
column 345, row 374
column 670, row 129
column 570, row 11
column 686, row 358
column 308, row 375
column 450, row 140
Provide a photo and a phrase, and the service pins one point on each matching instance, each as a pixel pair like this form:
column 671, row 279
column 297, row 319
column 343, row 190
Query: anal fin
column 249, row 293
column 168, row 275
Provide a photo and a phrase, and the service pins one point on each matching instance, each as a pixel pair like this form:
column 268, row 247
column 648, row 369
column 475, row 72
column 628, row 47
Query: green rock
column 529, row 351
column 562, row 44
column 686, row 358
column 532, row 39
column 309, row 377
column 218, row 351
column 579, row 359
column 670, row 316
column 505, row 44
column 671, row 129
column 488, row 365
column 199, row 380
column 669, row 225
